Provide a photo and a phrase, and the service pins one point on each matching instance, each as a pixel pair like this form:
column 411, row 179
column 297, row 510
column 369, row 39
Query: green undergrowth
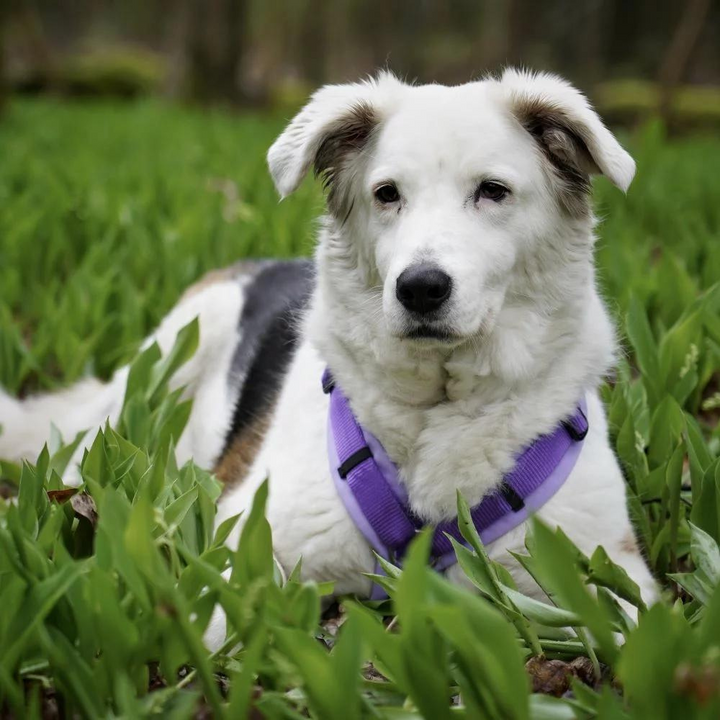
column 106, row 214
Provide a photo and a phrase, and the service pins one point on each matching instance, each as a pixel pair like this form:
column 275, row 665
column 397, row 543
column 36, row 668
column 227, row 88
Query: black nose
column 423, row 288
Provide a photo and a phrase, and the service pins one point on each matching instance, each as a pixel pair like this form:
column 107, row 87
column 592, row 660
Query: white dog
column 452, row 295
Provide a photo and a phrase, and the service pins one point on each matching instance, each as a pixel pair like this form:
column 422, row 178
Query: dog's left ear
column 566, row 127
column 336, row 123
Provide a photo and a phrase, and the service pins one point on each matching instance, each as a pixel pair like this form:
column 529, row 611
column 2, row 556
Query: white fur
column 531, row 333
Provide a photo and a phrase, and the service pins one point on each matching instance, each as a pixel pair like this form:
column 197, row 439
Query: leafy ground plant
column 106, row 590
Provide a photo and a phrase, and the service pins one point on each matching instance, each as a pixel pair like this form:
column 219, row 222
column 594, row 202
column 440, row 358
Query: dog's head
column 441, row 195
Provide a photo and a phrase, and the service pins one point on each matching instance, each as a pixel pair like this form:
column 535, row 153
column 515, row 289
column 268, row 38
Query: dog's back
column 273, row 300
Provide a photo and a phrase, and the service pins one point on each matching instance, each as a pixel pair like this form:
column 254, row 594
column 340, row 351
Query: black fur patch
column 274, row 300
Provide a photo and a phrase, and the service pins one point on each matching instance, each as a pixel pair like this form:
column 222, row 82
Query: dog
column 453, row 297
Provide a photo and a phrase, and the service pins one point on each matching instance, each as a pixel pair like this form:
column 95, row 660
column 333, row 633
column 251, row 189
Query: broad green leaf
column 560, row 571
column 178, row 509
column 541, row 612
column 668, row 423
column 705, row 511
column 694, row 583
column 546, row 707
column 242, row 682
column 705, row 554
column 186, row 344
column 253, row 558
column 41, row 600
column 605, row 573
column 661, row 642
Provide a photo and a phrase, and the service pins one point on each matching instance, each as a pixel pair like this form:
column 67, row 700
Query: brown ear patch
column 348, row 136
column 563, row 146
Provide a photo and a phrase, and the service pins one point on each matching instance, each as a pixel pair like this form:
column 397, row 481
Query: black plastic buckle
column 573, row 432
column 354, row 460
column 512, row 498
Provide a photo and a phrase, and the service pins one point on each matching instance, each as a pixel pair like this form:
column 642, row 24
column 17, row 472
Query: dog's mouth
column 426, row 333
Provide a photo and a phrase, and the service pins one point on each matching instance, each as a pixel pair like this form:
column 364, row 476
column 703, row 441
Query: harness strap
column 369, row 486
column 373, row 497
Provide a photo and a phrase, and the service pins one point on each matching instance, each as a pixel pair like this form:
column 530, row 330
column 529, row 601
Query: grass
column 113, row 212
column 106, row 213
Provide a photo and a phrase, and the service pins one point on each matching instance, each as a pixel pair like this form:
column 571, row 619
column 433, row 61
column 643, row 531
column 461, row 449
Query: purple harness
column 367, row 481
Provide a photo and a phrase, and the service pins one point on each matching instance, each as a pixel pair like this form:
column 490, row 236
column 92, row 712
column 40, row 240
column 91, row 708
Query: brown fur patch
column 629, row 545
column 213, row 277
column 240, row 454
column 561, row 142
column 344, row 140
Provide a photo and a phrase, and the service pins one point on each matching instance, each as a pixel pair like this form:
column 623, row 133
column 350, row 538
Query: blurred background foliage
column 636, row 55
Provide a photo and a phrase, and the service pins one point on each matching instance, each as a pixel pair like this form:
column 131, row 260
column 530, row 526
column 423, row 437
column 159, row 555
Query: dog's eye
column 490, row 190
column 387, row 194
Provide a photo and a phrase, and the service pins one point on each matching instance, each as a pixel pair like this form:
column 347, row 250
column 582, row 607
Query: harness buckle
column 359, row 456
column 511, row 497
column 577, row 431
column 328, row 383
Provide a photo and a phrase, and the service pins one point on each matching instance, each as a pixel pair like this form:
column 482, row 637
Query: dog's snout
column 423, row 288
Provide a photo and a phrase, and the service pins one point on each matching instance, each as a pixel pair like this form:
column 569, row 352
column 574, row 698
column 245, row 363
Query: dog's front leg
column 456, row 451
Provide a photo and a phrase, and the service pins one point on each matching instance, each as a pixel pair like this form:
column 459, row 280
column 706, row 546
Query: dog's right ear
column 336, row 123
column 569, row 133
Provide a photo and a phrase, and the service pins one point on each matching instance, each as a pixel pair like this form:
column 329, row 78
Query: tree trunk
column 313, row 44
column 3, row 79
column 679, row 52
column 215, row 39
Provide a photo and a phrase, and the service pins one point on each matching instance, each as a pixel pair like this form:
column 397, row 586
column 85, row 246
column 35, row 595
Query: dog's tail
column 25, row 425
